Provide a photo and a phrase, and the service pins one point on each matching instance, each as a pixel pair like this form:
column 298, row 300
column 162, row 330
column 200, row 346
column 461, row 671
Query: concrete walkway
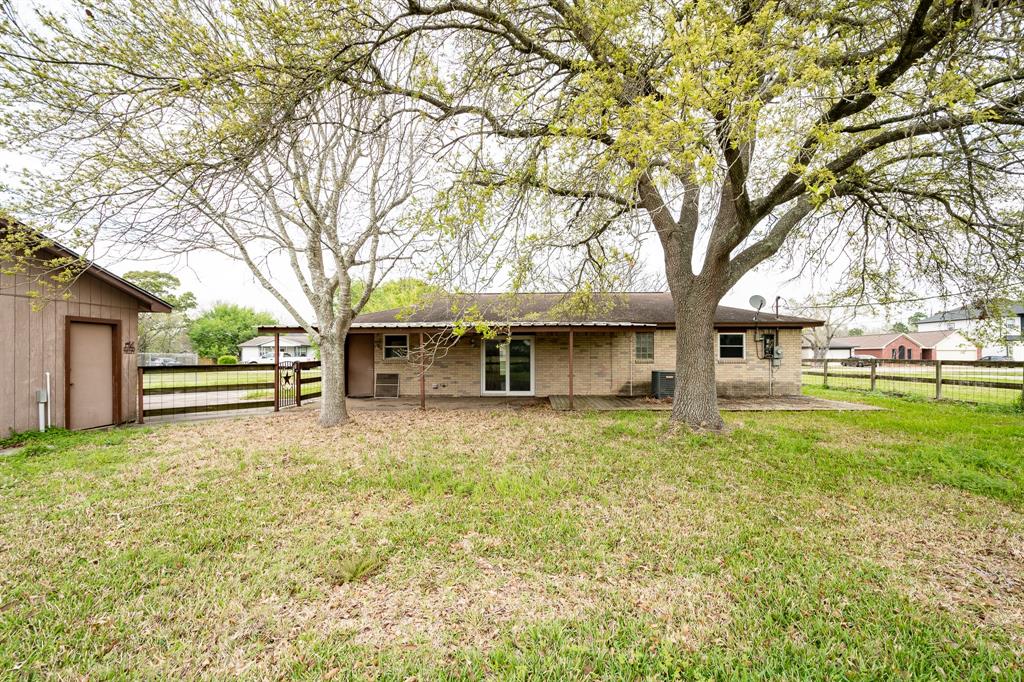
column 792, row 403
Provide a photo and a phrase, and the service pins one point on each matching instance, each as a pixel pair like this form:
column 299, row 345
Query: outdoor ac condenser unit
column 663, row 384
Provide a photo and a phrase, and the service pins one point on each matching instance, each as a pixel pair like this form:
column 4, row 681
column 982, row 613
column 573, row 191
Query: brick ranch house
column 543, row 352
column 931, row 345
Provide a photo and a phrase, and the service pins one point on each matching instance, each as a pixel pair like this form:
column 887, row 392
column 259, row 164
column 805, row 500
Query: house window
column 731, row 346
column 396, row 346
column 644, row 347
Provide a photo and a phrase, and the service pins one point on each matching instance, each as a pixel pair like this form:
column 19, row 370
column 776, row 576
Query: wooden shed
column 81, row 340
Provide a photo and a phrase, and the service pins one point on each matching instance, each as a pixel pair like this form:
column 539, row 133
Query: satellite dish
column 757, row 302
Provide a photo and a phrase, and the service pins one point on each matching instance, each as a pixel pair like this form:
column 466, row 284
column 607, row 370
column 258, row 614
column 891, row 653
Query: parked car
column 859, row 361
column 289, row 360
column 996, row 358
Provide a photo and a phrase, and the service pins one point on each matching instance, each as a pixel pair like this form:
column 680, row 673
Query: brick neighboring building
column 614, row 349
column 931, row 345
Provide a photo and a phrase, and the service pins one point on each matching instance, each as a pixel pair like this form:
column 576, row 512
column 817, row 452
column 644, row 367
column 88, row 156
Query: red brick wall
column 886, row 353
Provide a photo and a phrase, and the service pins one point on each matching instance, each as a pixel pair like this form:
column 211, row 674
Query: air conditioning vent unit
column 386, row 386
column 663, row 384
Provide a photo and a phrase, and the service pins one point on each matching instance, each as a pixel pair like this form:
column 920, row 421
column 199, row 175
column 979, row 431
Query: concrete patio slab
column 793, row 403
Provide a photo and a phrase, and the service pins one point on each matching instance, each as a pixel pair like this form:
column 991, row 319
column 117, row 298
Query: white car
column 289, row 360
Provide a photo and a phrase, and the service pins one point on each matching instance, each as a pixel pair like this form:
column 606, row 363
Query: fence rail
column 167, row 391
column 960, row 380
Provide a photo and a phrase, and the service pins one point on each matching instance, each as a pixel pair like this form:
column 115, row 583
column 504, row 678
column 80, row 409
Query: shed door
column 90, row 375
column 359, row 365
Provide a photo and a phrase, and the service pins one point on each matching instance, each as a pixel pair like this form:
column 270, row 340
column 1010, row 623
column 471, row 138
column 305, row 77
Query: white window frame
column 743, row 346
column 646, row 361
column 533, row 367
column 384, row 348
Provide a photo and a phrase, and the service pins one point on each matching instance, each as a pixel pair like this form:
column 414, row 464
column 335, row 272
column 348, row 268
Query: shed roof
column 151, row 302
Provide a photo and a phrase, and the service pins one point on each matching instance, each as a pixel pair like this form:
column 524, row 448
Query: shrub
column 227, row 360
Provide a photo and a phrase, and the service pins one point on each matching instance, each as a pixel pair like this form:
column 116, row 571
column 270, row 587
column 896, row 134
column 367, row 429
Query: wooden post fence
column 824, row 373
column 141, row 418
column 277, row 371
column 938, row 379
column 571, row 397
column 874, row 374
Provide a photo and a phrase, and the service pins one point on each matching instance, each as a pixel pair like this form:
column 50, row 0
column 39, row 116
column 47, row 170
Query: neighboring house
column 835, row 351
column 85, row 344
column 940, row 345
column 260, row 350
column 1008, row 331
column 612, row 352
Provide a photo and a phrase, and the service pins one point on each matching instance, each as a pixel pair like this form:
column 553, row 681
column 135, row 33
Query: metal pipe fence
column 997, row 383
column 169, row 392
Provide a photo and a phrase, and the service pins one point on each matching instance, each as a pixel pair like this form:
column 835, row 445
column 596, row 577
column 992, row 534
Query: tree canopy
column 219, row 330
column 164, row 332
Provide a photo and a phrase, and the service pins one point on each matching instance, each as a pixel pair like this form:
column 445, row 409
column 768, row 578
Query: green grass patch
column 522, row 545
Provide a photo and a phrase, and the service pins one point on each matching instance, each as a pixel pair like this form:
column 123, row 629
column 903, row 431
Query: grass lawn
column 527, row 544
column 859, row 379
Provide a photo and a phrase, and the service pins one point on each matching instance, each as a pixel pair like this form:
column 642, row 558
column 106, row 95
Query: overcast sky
column 213, row 277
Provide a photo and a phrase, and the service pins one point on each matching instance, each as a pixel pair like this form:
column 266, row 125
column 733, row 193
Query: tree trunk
column 333, row 411
column 695, row 402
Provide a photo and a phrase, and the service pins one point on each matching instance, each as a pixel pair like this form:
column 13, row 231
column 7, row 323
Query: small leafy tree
column 164, row 333
column 179, row 129
column 218, row 331
column 835, row 317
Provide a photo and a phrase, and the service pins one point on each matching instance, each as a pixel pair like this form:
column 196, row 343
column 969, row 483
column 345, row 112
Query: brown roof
column 923, row 339
column 152, row 303
column 647, row 309
column 866, row 340
column 929, row 339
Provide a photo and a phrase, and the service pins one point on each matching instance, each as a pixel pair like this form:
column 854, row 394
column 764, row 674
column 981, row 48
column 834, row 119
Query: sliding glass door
column 507, row 366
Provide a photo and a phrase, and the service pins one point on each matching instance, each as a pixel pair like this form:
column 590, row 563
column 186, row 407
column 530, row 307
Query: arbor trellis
column 884, row 135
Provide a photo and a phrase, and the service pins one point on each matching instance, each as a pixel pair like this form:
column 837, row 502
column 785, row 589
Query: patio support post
column 571, row 343
column 277, row 371
column 140, row 419
column 423, row 374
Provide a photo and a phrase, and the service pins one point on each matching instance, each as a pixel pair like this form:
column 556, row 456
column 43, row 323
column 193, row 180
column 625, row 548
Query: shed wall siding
column 32, row 343
column 603, row 364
